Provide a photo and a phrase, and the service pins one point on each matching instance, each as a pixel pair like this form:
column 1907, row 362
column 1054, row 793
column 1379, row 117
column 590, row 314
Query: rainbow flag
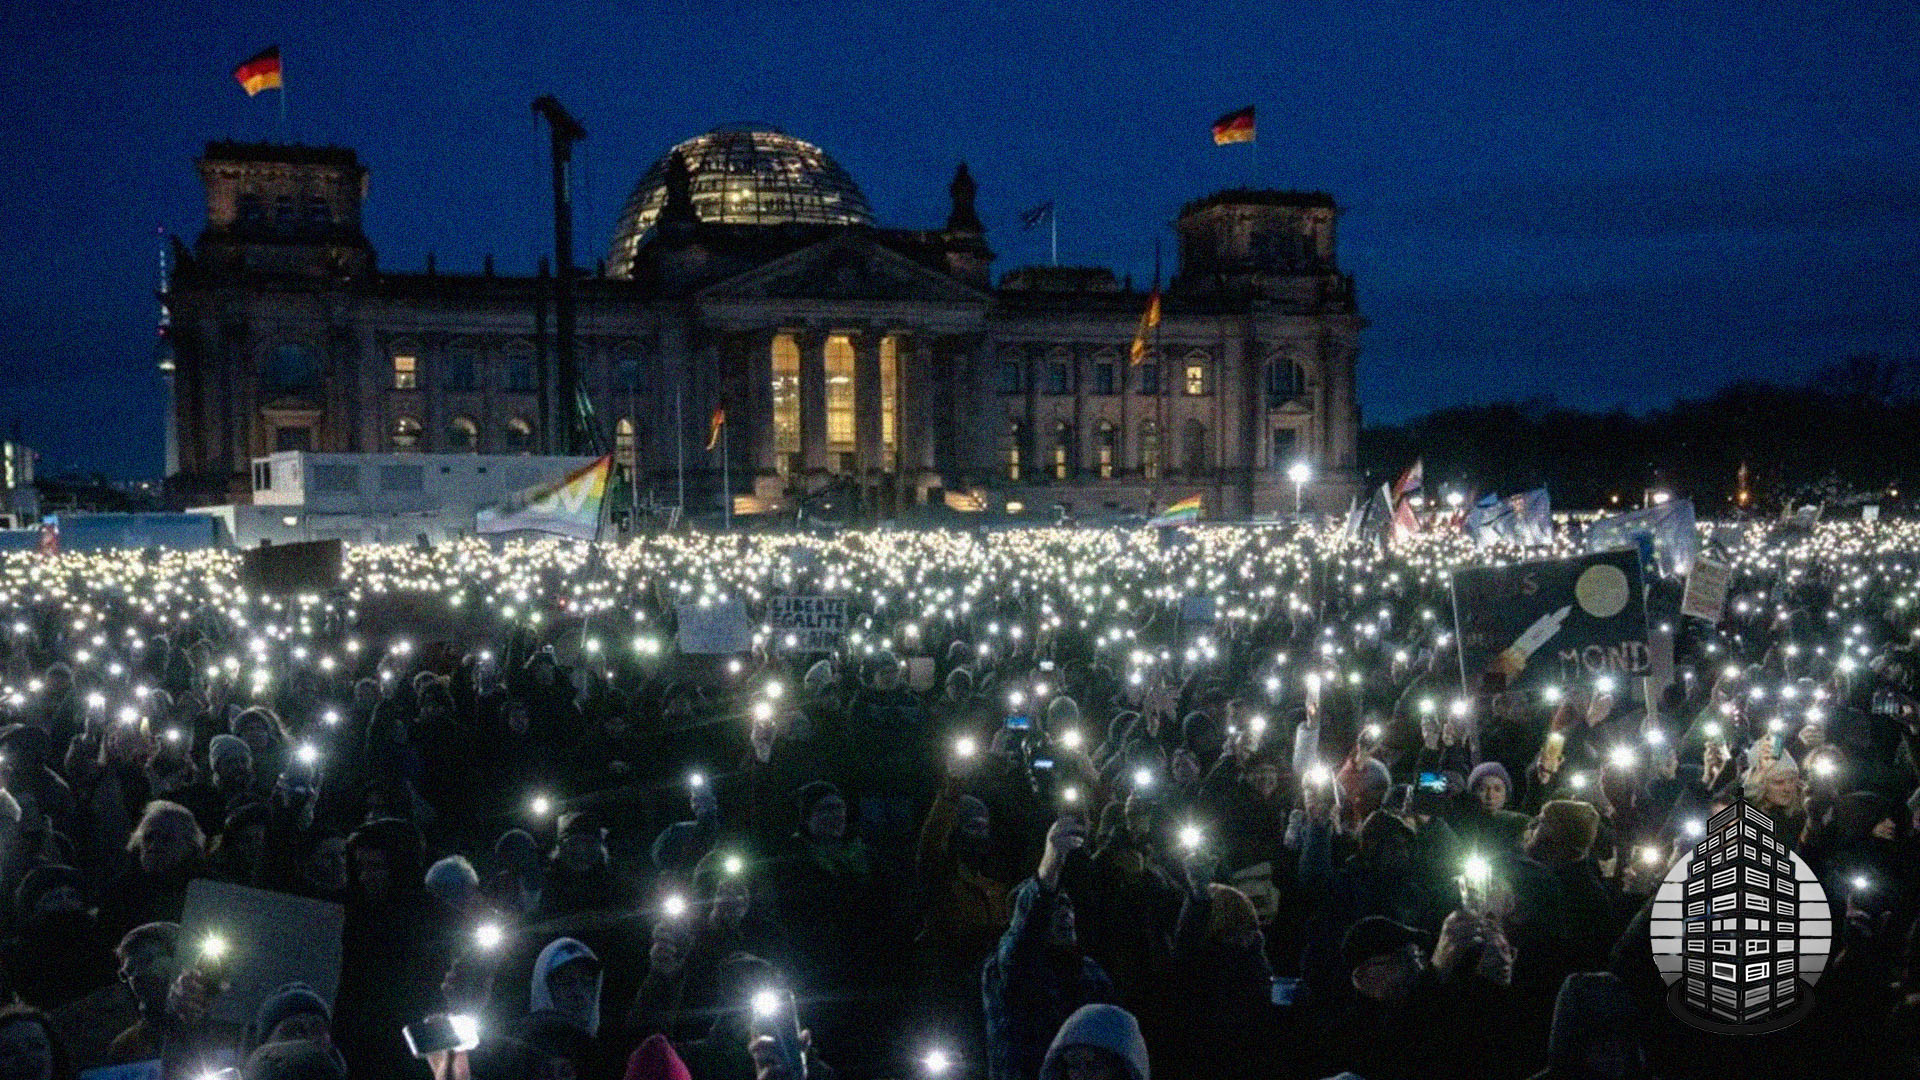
column 1186, row 510
column 569, row 506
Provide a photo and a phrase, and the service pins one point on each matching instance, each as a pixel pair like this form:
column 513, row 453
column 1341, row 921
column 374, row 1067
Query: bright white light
column 696, row 780
column 1695, row 827
column 1143, row 778
column 673, row 906
column 936, row 1062
column 1070, row 738
column 965, row 747
column 541, row 806
column 488, row 936
column 306, row 754
column 766, row 1004
column 1190, row 837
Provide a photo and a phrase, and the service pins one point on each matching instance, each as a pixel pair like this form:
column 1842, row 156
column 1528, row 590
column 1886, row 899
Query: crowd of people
column 1057, row 804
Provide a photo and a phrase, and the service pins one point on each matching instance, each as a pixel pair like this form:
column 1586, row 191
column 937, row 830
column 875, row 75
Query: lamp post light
column 1299, row 472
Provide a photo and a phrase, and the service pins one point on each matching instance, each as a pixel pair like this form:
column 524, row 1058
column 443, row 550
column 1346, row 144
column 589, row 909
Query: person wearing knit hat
column 293, row 1012
column 1097, row 1042
column 656, row 1059
column 1361, row 786
column 1596, row 1032
column 1486, row 824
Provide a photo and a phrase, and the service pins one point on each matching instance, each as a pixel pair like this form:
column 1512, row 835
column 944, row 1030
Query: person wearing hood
column 563, row 1002
column 1596, row 1031
column 1097, row 1042
column 392, row 947
column 1038, row 977
column 518, row 877
column 57, row 953
column 168, row 851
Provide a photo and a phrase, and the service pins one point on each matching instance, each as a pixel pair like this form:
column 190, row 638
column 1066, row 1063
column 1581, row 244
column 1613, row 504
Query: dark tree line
column 1850, row 435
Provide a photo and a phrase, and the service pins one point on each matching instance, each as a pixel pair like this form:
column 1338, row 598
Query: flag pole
column 1053, row 233
column 680, row 446
column 285, row 132
column 726, row 473
column 1160, row 395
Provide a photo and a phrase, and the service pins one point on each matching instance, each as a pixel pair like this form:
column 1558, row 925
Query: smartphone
column 1285, row 990
column 1043, row 763
column 1020, row 722
column 440, row 1033
column 1433, row 781
column 775, row 1016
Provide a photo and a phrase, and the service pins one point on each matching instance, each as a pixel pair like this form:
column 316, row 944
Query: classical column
column 758, row 433
column 916, row 408
column 866, row 403
column 813, row 399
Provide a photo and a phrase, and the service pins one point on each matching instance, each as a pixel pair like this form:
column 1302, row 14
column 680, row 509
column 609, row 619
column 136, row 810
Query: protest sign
column 313, row 566
column 714, row 629
column 1555, row 621
column 920, row 673
column 814, row 623
column 271, row 939
column 1706, row 595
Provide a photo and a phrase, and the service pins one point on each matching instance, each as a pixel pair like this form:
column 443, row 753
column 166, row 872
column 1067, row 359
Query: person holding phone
column 1038, row 974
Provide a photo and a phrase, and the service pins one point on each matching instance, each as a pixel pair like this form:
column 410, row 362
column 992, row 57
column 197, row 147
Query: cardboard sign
column 272, row 939
column 714, row 630
column 291, row 568
column 920, row 672
column 1706, row 595
column 815, row 623
column 1552, row 622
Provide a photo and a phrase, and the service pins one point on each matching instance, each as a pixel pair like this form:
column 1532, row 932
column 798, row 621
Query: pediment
column 845, row 269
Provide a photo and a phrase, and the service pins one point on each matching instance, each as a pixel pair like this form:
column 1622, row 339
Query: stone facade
column 881, row 362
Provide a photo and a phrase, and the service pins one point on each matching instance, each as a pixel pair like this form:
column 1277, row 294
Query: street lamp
column 1299, row 472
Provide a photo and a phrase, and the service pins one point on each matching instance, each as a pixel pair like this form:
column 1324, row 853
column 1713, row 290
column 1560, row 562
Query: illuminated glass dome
column 744, row 177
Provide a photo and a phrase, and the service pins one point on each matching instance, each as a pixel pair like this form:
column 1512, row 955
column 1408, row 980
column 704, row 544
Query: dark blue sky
column 1612, row 203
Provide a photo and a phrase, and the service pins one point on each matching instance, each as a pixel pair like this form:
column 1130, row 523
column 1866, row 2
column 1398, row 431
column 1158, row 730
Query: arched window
column 1194, row 450
column 1195, row 380
column 1063, row 455
column 785, row 362
column 1150, row 449
column 623, row 452
column 519, row 436
column 406, row 433
column 406, row 370
column 463, row 435
column 1015, row 435
column 1107, row 446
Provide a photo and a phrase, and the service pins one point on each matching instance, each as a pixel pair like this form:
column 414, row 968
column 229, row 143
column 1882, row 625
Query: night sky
column 1611, row 203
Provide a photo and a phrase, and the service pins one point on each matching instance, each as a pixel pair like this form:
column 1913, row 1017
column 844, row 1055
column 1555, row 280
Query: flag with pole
column 1409, row 481
column 260, row 72
column 719, row 423
column 1033, row 218
column 569, row 506
column 1234, row 127
column 1149, row 319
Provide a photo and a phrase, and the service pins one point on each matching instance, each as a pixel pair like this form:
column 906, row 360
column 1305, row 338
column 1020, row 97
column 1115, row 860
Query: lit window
column 1108, row 448
column 406, row 372
column 406, row 433
column 1150, row 450
column 623, row 443
column 840, row 393
column 786, row 401
column 1062, row 450
column 1014, row 435
column 889, row 401
column 1196, row 379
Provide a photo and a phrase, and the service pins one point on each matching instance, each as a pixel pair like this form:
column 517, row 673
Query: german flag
column 1149, row 319
column 1236, row 126
column 719, row 422
column 262, row 72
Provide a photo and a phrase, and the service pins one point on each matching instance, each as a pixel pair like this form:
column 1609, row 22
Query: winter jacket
column 1029, row 990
